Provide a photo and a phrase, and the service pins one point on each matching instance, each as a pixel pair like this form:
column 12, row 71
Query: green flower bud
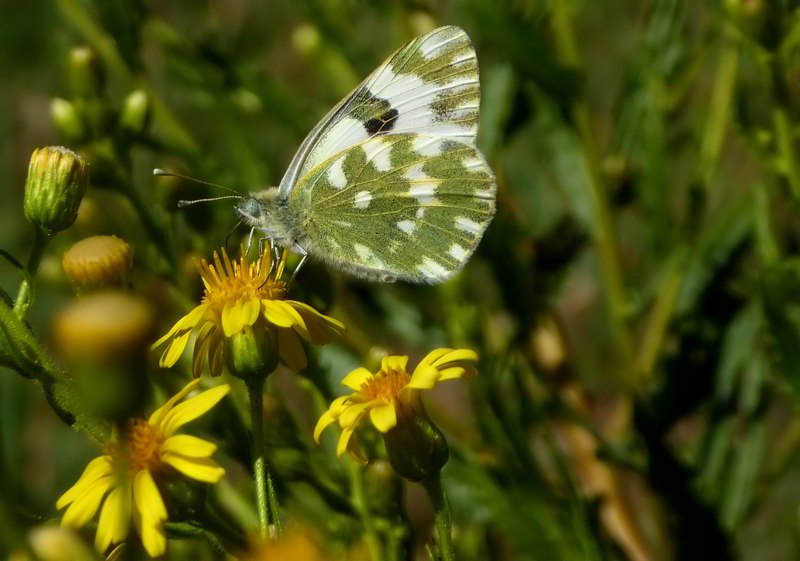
column 87, row 74
column 416, row 447
column 67, row 120
column 135, row 115
column 253, row 352
column 57, row 181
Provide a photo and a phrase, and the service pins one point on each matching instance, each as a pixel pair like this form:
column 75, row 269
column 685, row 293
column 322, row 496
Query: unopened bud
column 67, row 120
column 86, row 73
column 57, row 181
column 135, row 115
column 98, row 262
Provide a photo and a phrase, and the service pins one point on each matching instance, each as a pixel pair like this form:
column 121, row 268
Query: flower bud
column 104, row 340
column 86, row 72
column 253, row 352
column 57, row 181
column 416, row 447
column 67, row 120
column 98, row 262
column 55, row 543
column 135, row 114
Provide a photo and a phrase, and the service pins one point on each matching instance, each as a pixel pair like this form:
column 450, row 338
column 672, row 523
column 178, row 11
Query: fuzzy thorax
column 266, row 212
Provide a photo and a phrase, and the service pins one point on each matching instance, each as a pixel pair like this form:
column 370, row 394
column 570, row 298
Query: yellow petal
column 457, row 355
column 384, row 417
column 298, row 323
column 114, row 518
column 151, row 514
column 341, row 447
column 434, row 355
column 97, row 469
column 188, row 446
column 324, row 421
column 191, row 409
column 174, row 350
column 394, row 363
column 424, row 378
column 351, row 416
column 215, row 356
column 251, row 310
column 187, row 322
column 291, row 350
column 457, row 372
column 84, row 507
column 233, row 319
column 158, row 415
column 320, row 327
column 278, row 315
column 201, row 346
column 357, row 378
column 201, row 469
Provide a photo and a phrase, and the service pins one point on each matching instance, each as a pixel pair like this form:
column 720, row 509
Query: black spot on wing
column 375, row 113
column 383, row 123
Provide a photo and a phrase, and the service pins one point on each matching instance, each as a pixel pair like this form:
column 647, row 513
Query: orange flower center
column 144, row 443
column 385, row 386
column 232, row 281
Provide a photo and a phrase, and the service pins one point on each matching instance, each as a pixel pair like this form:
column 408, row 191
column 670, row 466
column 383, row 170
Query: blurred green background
column 634, row 302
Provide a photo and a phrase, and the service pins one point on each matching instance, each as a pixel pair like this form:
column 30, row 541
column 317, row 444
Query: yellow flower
column 241, row 296
column 123, row 481
column 391, row 395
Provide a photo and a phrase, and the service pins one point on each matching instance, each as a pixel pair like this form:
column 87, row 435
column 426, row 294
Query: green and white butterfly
column 389, row 184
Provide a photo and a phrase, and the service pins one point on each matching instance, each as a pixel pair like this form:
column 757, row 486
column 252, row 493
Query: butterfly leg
column 304, row 254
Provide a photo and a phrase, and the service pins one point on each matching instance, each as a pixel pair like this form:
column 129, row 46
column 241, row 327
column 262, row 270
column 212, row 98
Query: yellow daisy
column 241, row 295
column 121, row 484
column 391, row 395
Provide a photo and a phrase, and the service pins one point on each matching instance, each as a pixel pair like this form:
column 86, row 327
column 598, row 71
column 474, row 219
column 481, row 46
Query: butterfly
column 390, row 185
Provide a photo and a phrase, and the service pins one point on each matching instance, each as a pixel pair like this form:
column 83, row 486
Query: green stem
column 441, row 509
column 266, row 498
column 783, row 137
column 604, row 231
column 371, row 536
column 24, row 300
column 710, row 148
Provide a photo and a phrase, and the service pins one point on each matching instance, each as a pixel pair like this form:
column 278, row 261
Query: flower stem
column 266, row 498
column 444, row 524
column 23, row 301
column 604, row 231
column 371, row 537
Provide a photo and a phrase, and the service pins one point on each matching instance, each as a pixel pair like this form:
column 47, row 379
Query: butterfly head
column 263, row 212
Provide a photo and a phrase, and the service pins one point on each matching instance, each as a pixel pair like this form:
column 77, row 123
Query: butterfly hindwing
column 407, row 206
column 430, row 87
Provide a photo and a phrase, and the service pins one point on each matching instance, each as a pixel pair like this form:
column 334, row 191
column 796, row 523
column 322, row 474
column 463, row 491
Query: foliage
column 634, row 304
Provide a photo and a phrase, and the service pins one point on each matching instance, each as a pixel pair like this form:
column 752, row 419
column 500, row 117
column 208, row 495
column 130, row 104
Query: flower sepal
column 416, row 447
column 252, row 353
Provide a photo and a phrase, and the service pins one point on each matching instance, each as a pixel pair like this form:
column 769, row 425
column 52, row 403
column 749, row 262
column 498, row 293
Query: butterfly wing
column 430, row 86
column 401, row 206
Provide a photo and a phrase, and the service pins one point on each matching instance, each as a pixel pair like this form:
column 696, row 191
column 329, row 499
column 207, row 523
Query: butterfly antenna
column 184, row 203
column 158, row 172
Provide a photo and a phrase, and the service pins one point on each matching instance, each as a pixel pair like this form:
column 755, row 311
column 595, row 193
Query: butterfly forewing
column 429, row 87
column 408, row 206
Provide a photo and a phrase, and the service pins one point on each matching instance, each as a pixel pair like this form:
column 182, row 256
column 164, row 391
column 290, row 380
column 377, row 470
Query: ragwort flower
column 391, row 400
column 121, row 484
column 246, row 299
